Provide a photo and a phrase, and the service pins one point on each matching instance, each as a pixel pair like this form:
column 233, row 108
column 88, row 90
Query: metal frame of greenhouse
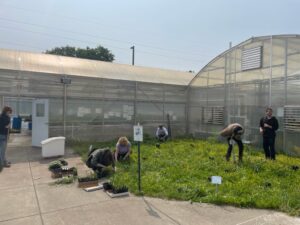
column 240, row 83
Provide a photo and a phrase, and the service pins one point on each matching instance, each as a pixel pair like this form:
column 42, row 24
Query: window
column 40, row 110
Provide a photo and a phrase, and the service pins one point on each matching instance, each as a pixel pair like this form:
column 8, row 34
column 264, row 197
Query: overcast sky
column 180, row 35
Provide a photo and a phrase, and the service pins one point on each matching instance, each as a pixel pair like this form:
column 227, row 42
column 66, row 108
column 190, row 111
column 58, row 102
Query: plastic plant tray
column 112, row 195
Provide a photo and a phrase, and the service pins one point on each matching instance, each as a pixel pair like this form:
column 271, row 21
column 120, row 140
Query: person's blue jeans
column 3, row 144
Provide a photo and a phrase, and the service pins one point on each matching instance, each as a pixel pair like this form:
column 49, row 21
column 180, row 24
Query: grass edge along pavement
column 180, row 170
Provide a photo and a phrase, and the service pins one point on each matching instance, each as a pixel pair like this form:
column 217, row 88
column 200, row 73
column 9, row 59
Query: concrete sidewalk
column 28, row 199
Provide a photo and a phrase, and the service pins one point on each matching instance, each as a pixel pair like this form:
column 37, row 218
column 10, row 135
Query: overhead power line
column 91, row 35
column 89, row 42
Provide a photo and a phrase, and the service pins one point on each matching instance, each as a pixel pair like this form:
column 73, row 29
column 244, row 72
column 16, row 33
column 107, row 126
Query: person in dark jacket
column 98, row 159
column 267, row 127
column 233, row 132
column 4, row 132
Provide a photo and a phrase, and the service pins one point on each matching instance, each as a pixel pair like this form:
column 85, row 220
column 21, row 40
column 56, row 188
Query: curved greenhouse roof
column 229, row 61
column 53, row 64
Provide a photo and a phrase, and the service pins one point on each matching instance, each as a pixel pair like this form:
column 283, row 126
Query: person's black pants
column 269, row 147
column 230, row 146
column 162, row 137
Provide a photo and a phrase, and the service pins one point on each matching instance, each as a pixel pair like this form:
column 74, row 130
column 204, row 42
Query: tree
column 98, row 53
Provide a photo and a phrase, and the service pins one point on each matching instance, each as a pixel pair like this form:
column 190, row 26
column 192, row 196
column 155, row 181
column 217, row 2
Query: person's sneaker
column 90, row 148
column 7, row 164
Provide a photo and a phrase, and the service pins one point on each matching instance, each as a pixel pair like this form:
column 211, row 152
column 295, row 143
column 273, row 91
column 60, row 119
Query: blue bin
column 17, row 123
column 29, row 125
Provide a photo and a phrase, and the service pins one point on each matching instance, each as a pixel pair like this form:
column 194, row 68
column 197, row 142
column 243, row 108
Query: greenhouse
column 88, row 99
column 240, row 83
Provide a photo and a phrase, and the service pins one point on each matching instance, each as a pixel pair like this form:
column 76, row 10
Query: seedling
column 88, row 181
column 65, row 180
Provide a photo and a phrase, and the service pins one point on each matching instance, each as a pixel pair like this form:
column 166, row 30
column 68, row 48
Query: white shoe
column 91, row 147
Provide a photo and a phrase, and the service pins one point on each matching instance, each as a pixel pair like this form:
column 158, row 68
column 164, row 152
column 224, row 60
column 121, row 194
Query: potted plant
column 58, row 170
column 88, row 181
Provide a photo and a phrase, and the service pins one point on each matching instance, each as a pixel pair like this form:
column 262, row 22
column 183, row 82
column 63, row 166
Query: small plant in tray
column 115, row 191
column 88, row 181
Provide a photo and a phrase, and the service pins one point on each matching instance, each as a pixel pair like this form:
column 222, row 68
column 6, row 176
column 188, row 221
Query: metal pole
column 132, row 55
column 270, row 81
column 285, row 88
column 135, row 102
column 234, row 89
column 164, row 100
column 139, row 165
column 187, row 112
column 65, row 108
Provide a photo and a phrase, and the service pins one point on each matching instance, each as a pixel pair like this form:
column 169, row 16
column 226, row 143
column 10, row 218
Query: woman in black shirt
column 4, row 132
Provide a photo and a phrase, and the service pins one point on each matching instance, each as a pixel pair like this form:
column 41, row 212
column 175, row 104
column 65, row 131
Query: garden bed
column 179, row 169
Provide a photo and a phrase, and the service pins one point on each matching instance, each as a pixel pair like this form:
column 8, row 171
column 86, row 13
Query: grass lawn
column 180, row 169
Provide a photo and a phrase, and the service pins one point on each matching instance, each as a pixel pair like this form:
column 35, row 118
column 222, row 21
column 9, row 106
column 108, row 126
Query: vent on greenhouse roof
column 252, row 58
column 292, row 118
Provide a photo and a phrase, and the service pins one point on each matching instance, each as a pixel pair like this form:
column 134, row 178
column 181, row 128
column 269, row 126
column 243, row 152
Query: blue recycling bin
column 17, row 123
column 30, row 125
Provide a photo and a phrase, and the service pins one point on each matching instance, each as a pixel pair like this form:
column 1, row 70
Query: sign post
column 138, row 137
column 216, row 180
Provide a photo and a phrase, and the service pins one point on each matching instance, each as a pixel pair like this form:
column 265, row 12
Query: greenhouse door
column 40, row 119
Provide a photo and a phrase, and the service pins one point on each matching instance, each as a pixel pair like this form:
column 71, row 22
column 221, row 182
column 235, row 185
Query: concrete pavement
column 27, row 199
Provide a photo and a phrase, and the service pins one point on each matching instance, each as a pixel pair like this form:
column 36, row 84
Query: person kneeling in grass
column 161, row 133
column 99, row 159
column 233, row 133
column 123, row 149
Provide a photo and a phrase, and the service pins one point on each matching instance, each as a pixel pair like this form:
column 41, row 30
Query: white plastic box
column 54, row 146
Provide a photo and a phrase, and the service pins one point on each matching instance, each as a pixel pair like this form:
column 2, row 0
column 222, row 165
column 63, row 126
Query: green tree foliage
column 98, row 53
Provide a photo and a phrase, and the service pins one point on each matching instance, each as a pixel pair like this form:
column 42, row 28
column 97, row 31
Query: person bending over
column 99, row 159
column 162, row 133
column 233, row 132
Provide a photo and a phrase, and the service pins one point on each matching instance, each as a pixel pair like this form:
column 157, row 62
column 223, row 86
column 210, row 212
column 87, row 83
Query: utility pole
column 132, row 55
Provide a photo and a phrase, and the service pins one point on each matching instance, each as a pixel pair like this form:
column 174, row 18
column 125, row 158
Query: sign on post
column 217, row 180
column 138, row 133
column 138, row 137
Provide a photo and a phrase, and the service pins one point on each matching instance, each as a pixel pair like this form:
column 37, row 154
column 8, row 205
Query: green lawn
column 180, row 169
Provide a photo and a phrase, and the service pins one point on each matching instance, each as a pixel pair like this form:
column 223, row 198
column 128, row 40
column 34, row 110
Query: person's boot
column 227, row 157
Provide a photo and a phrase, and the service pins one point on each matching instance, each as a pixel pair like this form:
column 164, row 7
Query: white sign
column 280, row 112
column 138, row 133
column 216, row 180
